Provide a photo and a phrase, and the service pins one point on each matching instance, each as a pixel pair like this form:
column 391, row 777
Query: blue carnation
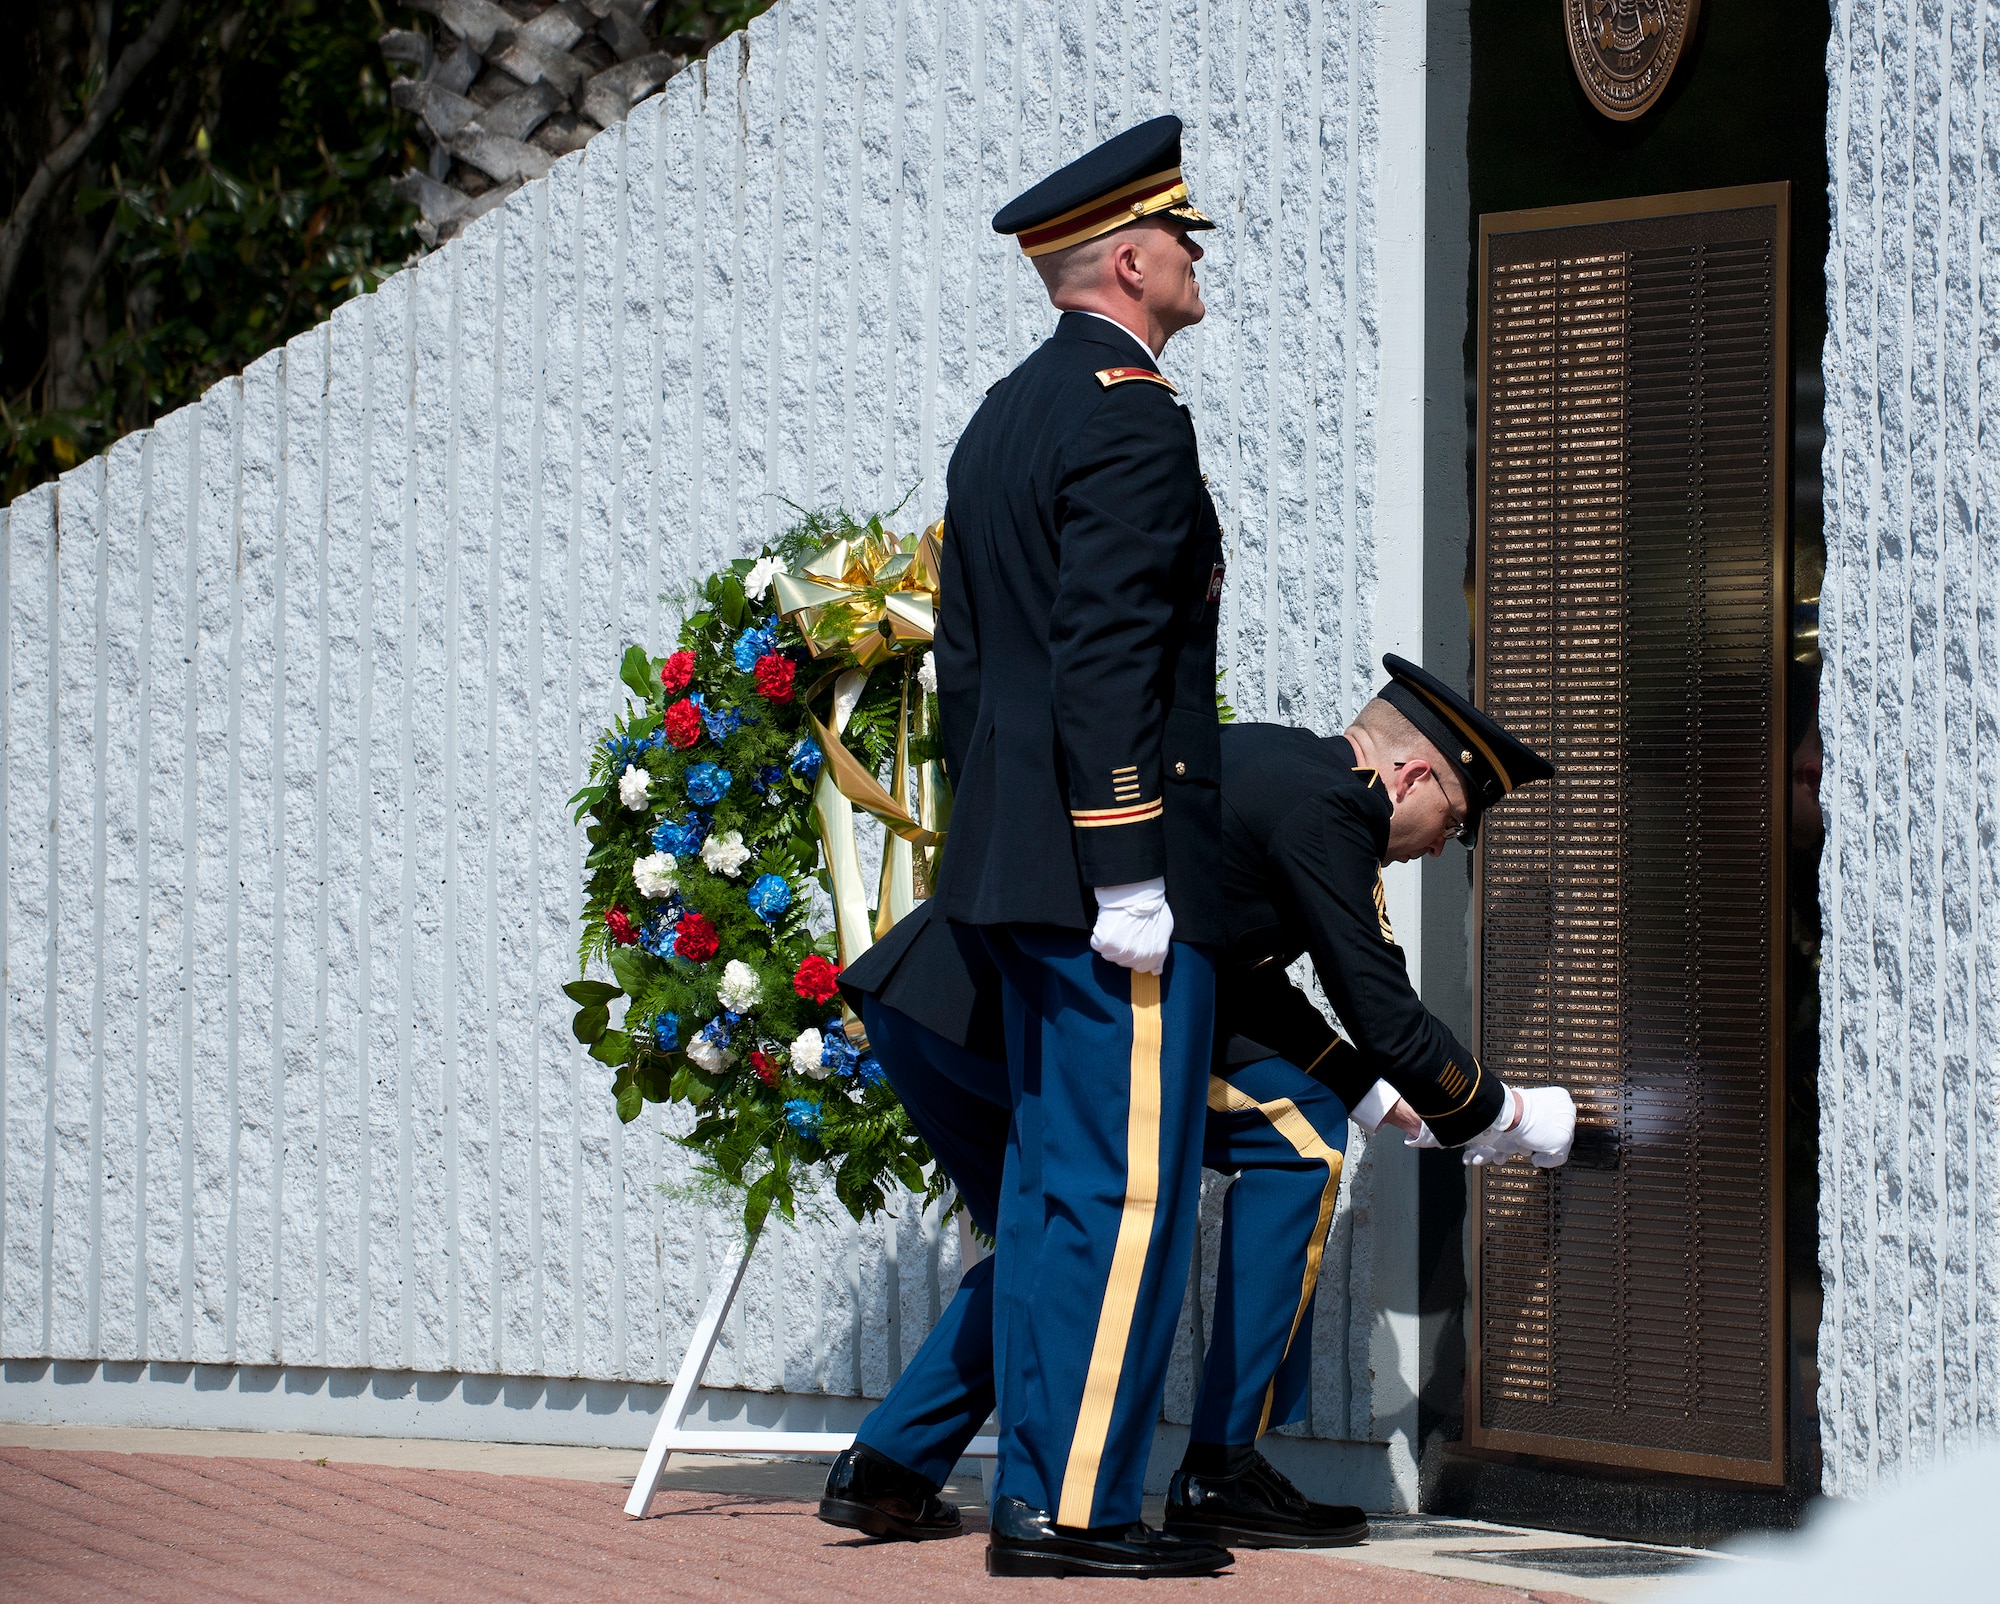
column 656, row 935
column 623, row 750
column 802, row 1114
column 753, row 644
column 667, row 1032
column 836, row 1052
column 766, row 778
column 769, row 897
column 721, row 725
column 718, row 1030
column 806, row 758
column 707, row 785
column 681, row 839
column 868, row 1071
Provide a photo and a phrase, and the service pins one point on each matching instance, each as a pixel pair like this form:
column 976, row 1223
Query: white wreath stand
column 672, row 1436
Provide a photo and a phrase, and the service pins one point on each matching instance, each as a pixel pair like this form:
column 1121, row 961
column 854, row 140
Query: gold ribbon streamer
column 852, row 779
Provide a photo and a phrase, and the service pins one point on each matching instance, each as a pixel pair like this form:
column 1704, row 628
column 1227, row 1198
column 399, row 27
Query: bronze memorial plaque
column 1624, row 51
column 1633, row 397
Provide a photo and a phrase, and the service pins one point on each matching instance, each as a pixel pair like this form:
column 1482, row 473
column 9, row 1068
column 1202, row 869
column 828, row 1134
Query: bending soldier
column 1307, row 824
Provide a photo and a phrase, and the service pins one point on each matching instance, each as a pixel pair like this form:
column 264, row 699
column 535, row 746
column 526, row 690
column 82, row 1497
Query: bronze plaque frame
column 1769, row 1469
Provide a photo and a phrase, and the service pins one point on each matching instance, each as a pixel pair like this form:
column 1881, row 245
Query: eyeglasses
column 1454, row 831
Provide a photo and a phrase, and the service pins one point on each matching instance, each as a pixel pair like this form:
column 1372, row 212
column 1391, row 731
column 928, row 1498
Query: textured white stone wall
column 297, row 682
column 1910, row 625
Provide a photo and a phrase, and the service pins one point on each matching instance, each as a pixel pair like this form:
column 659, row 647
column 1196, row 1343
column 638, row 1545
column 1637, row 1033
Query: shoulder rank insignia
column 1110, row 376
column 1382, row 909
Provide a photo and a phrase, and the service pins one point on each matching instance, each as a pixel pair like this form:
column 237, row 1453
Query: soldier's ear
column 1127, row 270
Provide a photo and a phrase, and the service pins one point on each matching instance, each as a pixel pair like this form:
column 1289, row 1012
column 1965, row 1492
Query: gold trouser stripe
column 1128, row 1258
column 1284, row 1114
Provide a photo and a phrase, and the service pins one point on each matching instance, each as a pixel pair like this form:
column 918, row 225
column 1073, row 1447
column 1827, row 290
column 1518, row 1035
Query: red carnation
column 677, row 672
column 774, row 677
column 816, row 980
column 619, row 923
column 684, row 722
column 767, row 1072
column 694, row 938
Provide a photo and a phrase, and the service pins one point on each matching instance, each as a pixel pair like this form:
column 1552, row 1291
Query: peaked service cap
column 1489, row 761
column 1131, row 175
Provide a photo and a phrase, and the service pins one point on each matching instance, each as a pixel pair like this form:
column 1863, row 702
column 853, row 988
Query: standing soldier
column 1076, row 674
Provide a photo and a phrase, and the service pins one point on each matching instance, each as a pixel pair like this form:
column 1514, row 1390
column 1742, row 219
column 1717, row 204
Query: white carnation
column 709, row 1056
column 654, row 876
column 927, row 673
column 806, row 1054
column 758, row 580
column 739, row 988
column 725, row 854
column 633, row 785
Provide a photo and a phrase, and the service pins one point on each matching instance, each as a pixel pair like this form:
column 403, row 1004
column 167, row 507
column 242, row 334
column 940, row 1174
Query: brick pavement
column 169, row 1527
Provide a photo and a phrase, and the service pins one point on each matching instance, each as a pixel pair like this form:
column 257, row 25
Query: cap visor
column 1192, row 216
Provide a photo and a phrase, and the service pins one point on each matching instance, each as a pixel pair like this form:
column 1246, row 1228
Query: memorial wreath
column 800, row 681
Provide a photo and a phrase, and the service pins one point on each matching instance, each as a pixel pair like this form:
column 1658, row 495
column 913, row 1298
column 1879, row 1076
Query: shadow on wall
column 568, row 1410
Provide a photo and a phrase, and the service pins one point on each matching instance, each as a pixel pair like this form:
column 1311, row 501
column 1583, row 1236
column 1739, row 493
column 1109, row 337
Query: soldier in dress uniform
column 1307, row 824
column 1076, row 677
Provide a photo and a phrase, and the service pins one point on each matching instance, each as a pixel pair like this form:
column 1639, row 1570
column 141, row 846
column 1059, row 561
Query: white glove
column 1543, row 1132
column 1134, row 925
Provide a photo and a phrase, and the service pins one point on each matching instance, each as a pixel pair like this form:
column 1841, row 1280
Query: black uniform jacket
column 1076, row 643
column 1303, row 833
column 937, row 973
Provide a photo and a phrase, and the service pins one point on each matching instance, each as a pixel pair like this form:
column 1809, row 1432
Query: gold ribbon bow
column 867, row 598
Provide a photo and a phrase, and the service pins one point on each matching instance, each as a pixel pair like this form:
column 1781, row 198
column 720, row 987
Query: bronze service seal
column 1624, row 51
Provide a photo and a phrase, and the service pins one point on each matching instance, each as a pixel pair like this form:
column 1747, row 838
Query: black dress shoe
column 1025, row 1542
column 870, row 1492
column 1258, row 1508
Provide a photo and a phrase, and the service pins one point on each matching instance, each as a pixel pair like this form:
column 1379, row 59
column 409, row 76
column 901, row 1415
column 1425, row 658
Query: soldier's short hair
column 1396, row 738
column 1074, row 267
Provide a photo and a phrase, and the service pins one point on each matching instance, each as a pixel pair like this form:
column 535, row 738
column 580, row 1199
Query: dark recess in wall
column 1747, row 106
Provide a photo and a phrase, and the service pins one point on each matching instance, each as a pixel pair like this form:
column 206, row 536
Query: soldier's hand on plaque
column 1540, row 1125
column 1134, row 925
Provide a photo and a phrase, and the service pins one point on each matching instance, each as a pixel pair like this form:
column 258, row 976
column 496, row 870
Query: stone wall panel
column 75, row 1065
column 115, row 828
column 1908, row 1199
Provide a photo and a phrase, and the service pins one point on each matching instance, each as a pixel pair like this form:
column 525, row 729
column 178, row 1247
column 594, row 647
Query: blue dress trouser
column 1282, row 1135
column 958, row 1102
column 1108, row 1068
column 1273, row 1126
